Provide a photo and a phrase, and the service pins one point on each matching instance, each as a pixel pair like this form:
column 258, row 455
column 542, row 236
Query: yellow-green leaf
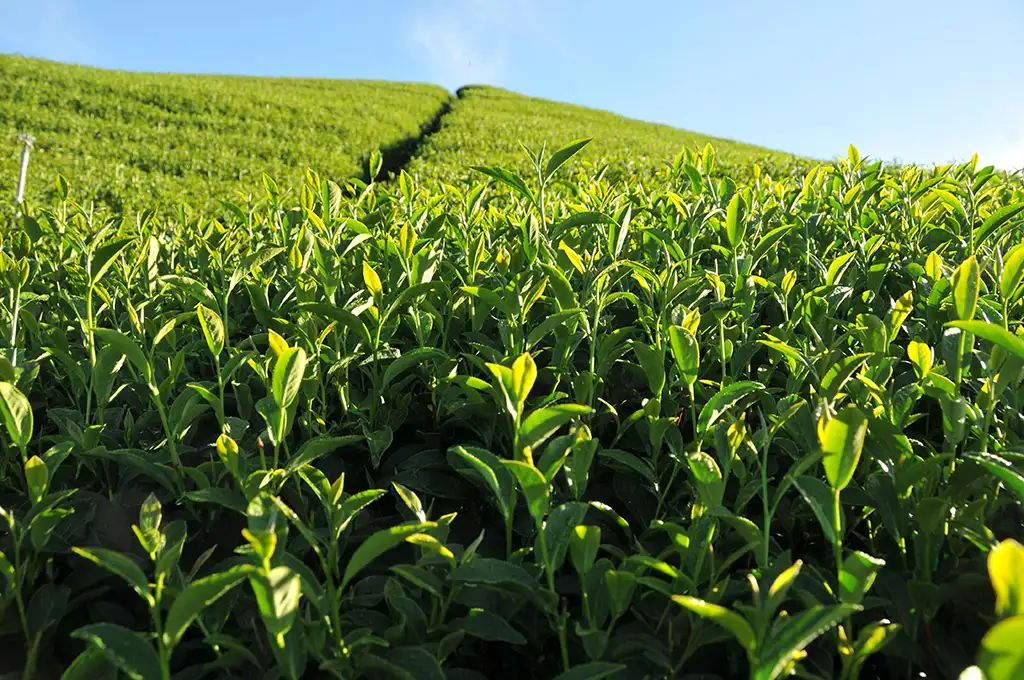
column 524, row 374
column 842, row 440
column 730, row 620
column 966, row 286
column 372, row 281
column 1006, row 571
column 17, row 415
column 213, row 329
column 920, row 355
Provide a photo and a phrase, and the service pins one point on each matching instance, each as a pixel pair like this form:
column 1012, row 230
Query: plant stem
column 837, row 541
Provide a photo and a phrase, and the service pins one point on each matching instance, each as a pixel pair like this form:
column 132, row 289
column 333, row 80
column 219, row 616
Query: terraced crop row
column 133, row 141
column 488, row 126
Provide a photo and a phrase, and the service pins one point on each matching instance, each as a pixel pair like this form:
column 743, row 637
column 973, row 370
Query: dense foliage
column 134, row 140
column 487, row 126
column 521, row 429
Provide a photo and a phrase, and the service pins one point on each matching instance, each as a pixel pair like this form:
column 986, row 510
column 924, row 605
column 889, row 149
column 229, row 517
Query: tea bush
column 487, row 126
column 133, row 141
column 525, row 426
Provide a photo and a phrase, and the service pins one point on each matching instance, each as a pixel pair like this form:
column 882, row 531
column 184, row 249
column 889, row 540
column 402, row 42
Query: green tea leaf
column 685, row 352
column 287, row 379
column 920, row 355
column 793, row 636
column 534, row 486
column 196, row 597
column 768, row 241
column 226, row 498
column 707, row 478
column 496, row 476
column 725, row 399
column 781, row 585
column 318, row 447
column 91, row 664
column 842, row 440
column 277, row 598
column 558, row 530
column 652, row 362
column 102, row 259
column 487, row 626
column 37, row 477
column 352, row 505
column 124, row 648
column 342, row 316
column 122, row 566
column 838, row 268
column 1000, row 217
column 1013, row 271
column 562, row 156
column 584, row 542
column 17, row 415
column 1002, row 655
column 372, row 282
column 493, row 572
column 544, row 422
column 556, row 320
column 857, row 576
column 126, row 346
column 507, row 178
column 213, row 329
column 839, row 373
column 997, row 335
column 818, row 496
column 730, row 620
column 378, row 544
column 410, row 359
column 1006, row 571
column 966, row 286
column 524, row 374
column 735, row 226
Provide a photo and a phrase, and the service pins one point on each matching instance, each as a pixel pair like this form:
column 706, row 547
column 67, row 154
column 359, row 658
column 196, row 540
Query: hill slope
column 129, row 138
column 486, row 125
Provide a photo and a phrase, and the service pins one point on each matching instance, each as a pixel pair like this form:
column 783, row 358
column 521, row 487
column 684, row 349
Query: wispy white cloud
column 45, row 28
column 471, row 41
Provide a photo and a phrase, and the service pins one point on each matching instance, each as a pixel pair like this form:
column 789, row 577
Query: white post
column 27, row 141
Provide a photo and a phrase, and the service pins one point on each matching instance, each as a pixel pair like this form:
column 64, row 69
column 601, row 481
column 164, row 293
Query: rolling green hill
column 129, row 139
column 486, row 125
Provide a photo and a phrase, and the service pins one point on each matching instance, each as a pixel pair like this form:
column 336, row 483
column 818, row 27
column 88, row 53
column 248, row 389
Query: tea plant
column 520, row 426
column 487, row 125
column 136, row 141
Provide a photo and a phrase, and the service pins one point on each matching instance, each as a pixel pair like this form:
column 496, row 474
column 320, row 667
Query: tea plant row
column 536, row 425
column 135, row 141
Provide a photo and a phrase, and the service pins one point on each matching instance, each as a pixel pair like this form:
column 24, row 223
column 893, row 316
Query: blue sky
column 911, row 80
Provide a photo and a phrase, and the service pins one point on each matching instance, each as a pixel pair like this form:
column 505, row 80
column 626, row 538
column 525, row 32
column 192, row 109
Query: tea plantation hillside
column 487, row 124
column 569, row 418
column 132, row 139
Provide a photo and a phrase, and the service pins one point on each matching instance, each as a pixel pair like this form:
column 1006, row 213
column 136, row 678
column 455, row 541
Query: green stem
column 766, row 509
column 90, row 340
column 837, row 541
column 721, row 351
column 16, row 305
column 563, row 641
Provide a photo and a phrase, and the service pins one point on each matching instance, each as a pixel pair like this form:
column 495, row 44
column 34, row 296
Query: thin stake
column 25, row 151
